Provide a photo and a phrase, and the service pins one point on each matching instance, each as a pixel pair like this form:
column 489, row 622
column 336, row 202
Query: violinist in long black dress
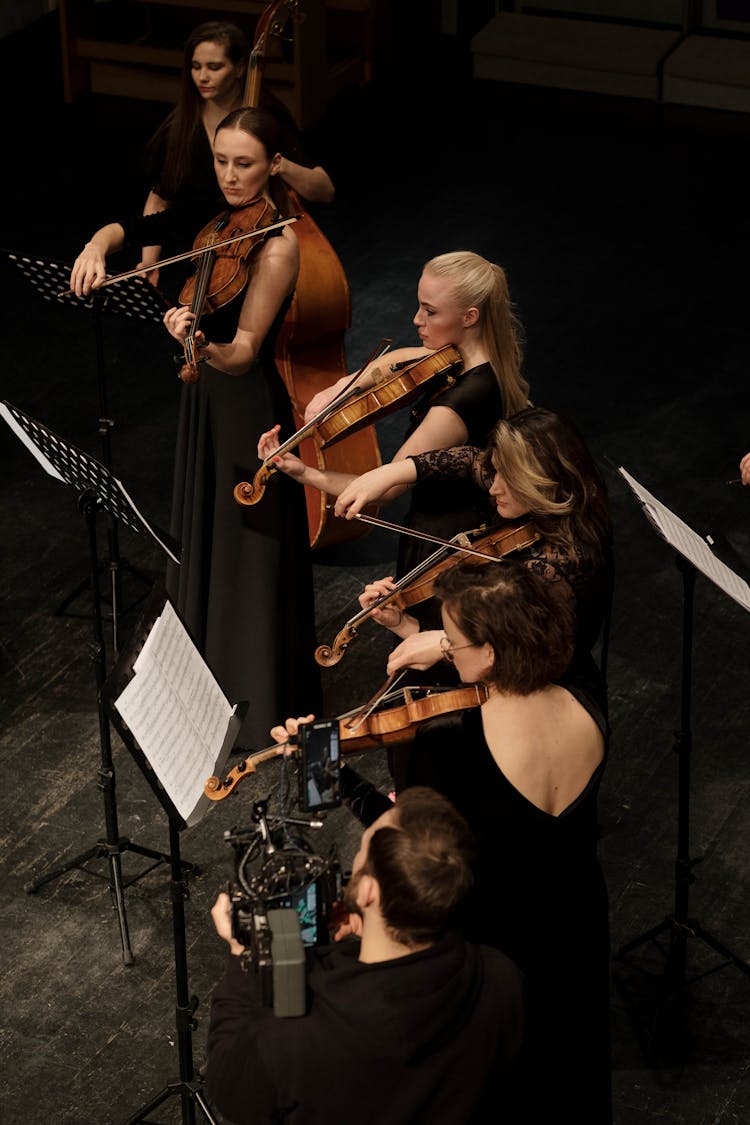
column 244, row 587
column 537, row 468
column 524, row 768
column 463, row 300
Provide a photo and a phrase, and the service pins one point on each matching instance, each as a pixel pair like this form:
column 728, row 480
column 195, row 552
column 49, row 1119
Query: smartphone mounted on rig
column 319, row 765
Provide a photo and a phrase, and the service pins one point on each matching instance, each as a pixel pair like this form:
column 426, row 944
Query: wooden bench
column 711, row 71
column 573, row 54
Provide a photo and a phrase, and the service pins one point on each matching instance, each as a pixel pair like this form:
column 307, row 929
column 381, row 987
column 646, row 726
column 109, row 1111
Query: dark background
column 623, row 230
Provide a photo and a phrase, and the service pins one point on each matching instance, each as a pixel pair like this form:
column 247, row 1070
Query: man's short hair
column 422, row 864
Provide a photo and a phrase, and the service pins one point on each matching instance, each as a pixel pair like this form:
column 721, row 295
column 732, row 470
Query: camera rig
column 282, row 898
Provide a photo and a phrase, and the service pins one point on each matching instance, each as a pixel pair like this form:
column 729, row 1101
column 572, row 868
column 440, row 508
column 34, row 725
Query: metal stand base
column 187, row 1087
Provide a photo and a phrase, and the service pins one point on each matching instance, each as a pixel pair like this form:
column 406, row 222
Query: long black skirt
column 244, row 587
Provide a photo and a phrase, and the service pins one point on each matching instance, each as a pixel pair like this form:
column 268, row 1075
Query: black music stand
column 132, row 299
column 176, row 773
column 97, row 490
column 693, row 553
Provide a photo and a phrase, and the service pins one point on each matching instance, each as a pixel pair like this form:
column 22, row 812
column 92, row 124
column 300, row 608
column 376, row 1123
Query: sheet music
column 177, row 713
column 689, row 544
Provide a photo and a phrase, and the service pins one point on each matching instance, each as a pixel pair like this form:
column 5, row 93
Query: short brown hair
column 422, row 864
column 527, row 620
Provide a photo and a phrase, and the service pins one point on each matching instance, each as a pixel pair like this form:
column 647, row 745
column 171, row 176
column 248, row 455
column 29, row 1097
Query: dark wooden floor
column 624, row 234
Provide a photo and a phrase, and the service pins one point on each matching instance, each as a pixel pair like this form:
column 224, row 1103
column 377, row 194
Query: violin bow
column 362, row 714
column 428, row 538
column 346, row 391
column 188, row 254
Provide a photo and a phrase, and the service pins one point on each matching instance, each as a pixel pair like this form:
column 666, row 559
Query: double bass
column 310, row 352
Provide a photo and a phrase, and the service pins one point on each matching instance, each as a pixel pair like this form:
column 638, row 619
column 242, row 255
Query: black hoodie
column 424, row 1038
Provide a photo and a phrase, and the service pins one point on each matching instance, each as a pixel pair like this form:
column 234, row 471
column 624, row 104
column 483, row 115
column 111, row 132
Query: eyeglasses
column 448, row 650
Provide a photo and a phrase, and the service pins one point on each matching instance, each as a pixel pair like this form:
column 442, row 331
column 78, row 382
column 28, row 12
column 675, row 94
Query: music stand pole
column 679, row 925
column 112, row 845
column 187, row 1086
column 142, row 683
column 96, row 488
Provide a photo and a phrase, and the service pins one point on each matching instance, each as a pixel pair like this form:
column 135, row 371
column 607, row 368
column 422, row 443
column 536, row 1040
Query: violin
column 222, row 272
column 363, row 730
column 419, row 583
column 355, row 408
column 405, row 383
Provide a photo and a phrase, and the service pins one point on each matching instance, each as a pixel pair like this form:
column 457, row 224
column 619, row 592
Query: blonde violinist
column 463, row 300
column 536, row 469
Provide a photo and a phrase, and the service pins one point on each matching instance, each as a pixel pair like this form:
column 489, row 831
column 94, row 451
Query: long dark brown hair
column 184, row 122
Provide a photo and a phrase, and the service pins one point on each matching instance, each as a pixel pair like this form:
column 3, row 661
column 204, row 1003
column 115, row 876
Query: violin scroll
column 329, row 655
column 190, row 372
column 216, row 788
column 247, row 492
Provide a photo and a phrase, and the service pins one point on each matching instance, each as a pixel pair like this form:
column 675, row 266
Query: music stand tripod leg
column 188, row 1087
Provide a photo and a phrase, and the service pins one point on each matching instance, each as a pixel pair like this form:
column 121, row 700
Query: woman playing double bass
column 179, row 158
column 244, row 587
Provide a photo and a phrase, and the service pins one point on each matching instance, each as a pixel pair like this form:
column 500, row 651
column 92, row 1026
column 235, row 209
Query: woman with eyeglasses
column 537, row 468
column 524, row 769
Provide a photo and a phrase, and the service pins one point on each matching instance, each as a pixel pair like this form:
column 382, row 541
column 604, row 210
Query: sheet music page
column 176, row 711
column 30, row 445
column 689, row 544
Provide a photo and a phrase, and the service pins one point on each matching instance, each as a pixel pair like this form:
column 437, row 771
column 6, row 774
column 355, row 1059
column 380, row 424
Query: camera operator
column 406, row 1022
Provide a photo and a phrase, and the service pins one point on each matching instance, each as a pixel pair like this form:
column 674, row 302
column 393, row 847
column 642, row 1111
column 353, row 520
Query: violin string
column 420, row 568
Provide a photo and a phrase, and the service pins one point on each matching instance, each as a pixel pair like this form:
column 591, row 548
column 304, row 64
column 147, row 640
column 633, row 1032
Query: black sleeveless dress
column 540, row 896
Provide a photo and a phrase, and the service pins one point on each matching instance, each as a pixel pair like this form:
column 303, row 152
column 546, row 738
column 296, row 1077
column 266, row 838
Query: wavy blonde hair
column 480, row 284
column 548, row 467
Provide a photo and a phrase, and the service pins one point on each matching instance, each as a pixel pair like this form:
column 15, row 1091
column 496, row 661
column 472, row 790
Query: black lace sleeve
column 463, row 462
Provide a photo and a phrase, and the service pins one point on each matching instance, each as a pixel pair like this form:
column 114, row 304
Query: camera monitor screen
column 305, row 902
column 319, row 766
